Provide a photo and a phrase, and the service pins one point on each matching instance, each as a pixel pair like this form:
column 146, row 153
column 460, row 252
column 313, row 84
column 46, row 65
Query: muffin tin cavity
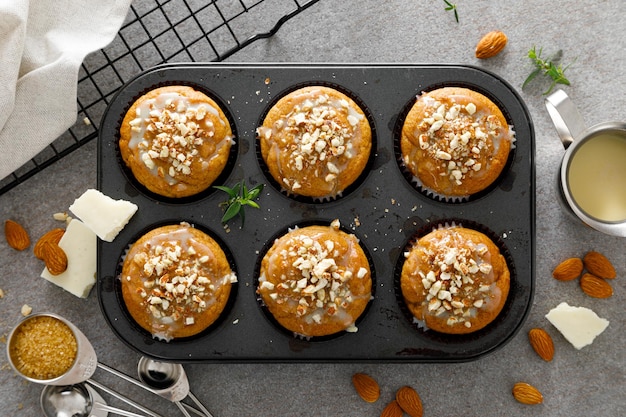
column 360, row 179
column 130, row 177
column 457, row 339
column 500, row 181
column 383, row 209
column 257, row 273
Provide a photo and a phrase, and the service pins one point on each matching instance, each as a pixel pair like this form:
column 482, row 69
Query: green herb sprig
column 549, row 67
column 239, row 196
column 452, row 6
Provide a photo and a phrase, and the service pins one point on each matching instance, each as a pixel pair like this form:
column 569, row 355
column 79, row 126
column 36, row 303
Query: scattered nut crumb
column 60, row 216
column 1, row 293
column 86, row 121
column 267, row 80
column 26, row 310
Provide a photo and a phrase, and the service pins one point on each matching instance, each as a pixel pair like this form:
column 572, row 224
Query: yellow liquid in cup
column 597, row 177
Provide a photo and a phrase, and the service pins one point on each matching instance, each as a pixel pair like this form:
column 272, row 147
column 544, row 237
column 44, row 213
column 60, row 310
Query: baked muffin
column 176, row 141
column 315, row 142
column 176, row 281
column 315, row 280
column 455, row 142
column 455, row 280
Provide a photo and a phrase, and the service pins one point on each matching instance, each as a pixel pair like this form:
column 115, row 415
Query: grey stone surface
column 576, row 383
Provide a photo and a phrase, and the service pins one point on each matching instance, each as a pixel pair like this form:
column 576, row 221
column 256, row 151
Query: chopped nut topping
column 321, row 142
column 458, row 282
column 454, row 135
column 321, row 283
column 176, row 284
column 179, row 130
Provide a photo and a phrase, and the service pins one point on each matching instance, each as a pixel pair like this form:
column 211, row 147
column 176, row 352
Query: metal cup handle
column 565, row 117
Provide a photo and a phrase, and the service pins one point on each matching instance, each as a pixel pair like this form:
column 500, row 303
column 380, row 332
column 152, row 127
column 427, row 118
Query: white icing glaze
column 318, row 146
column 177, row 279
column 172, row 129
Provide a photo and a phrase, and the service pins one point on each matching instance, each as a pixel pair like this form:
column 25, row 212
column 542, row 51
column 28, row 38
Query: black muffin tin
column 385, row 211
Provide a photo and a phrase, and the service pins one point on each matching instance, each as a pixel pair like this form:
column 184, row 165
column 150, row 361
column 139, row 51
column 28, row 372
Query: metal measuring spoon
column 77, row 401
column 170, row 381
column 147, row 388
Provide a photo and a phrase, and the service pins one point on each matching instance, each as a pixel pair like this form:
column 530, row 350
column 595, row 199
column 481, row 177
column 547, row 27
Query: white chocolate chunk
column 102, row 214
column 79, row 243
column 579, row 325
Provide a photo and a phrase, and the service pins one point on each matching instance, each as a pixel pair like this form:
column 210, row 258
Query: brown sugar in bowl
column 42, row 348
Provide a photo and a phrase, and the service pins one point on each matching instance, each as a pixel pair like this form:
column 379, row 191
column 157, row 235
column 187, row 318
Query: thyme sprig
column 452, row 6
column 549, row 67
column 239, row 196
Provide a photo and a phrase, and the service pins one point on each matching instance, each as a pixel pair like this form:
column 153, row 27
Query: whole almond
column 598, row 264
column 491, row 44
column 595, row 287
column 55, row 258
column 16, row 236
column 542, row 343
column 569, row 269
column 53, row 236
column 527, row 394
column 366, row 387
column 392, row 410
column 409, row 400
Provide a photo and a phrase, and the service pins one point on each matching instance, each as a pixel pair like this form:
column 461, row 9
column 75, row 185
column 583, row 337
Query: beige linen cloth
column 42, row 45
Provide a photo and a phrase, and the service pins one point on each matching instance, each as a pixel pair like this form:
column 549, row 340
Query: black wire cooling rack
column 155, row 32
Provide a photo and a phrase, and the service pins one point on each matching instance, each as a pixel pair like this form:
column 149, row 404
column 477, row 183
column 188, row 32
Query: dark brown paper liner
column 230, row 163
column 415, row 182
column 231, row 297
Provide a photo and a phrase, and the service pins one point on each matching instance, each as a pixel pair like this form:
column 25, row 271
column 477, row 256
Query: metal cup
column 592, row 175
column 82, row 368
column 171, row 384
